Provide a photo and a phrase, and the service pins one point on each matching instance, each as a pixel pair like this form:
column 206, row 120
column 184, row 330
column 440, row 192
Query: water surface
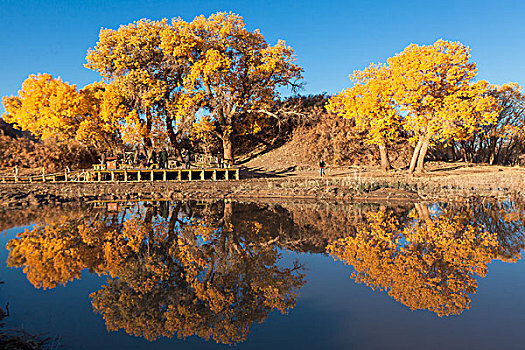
column 202, row 275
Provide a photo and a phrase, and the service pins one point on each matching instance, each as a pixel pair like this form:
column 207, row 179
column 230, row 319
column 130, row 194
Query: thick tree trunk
column 421, row 158
column 173, row 139
column 228, row 149
column 492, row 146
column 422, row 211
column 385, row 162
column 148, row 224
column 451, row 154
column 228, row 213
column 148, row 142
column 465, row 156
column 415, row 155
column 173, row 221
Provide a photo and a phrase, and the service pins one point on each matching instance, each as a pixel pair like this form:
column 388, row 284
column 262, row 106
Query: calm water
column 203, row 275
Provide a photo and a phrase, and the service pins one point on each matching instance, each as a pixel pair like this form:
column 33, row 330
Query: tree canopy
column 370, row 104
column 428, row 90
column 169, row 72
column 51, row 108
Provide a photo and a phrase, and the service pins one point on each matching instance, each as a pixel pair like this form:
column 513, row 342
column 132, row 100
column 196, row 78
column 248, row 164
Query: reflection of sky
column 331, row 312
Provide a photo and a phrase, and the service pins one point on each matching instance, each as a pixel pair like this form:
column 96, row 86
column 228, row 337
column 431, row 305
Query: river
column 259, row 275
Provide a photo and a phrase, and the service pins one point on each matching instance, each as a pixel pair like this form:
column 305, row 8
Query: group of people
column 161, row 160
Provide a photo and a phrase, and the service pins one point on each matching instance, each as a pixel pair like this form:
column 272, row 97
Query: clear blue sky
column 330, row 38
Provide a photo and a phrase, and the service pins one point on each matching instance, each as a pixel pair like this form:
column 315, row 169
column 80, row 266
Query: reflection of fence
column 130, row 175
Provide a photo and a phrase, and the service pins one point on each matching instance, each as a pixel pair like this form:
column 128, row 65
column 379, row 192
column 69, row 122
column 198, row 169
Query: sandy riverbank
column 347, row 184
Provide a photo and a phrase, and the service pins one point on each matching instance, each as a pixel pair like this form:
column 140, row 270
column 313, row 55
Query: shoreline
column 491, row 184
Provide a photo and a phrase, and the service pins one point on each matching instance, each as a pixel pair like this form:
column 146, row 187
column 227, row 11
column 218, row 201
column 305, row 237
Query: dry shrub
column 54, row 156
column 332, row 138
column 336, row 140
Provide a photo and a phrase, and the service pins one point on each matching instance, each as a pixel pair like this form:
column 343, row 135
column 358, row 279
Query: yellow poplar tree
column 149, row 83
column 369, row 103
column 45, row 106
column 51, row 108
column 433, row 88
column 233, row 69
column 430, row 263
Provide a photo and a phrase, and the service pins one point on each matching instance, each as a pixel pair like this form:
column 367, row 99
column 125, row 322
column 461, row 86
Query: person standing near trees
column 187, row 158
column 220, row 162
column 163, row 159
column 153, row 159
column 322, row 164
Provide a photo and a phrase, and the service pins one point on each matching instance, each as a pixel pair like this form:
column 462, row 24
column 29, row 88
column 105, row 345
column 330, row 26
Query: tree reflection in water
column 183, row 272
column 431, row 260
column 213, row 269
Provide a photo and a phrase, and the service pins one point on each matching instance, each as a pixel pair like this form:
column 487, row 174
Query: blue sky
column 331, row 39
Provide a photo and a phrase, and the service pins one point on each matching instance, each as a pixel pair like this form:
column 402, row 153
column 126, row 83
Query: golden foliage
column 51, row 255
column 429, row 263
column 427, row 90
column 178, row 276
column 50, row 108
column 233, row 70
column 370, row 104
column 45, row 106
column 213, row 272
column 168, row 72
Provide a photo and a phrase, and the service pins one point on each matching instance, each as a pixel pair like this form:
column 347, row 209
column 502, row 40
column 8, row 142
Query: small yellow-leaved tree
column 45, row 106
column 51, row 108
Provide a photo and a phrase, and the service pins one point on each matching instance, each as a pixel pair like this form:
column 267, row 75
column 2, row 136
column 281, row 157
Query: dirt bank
column 342, row 184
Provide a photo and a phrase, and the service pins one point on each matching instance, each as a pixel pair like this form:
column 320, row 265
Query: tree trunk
column 148, row 143
column 385, row 162
column 492, row 148
column 228, row 213
column 423, row 212
column 421, row 157
column 227, row 147
column 173, row 139
column 173, row 221
column 465, row 156
column 451, row 154
column 415, row 155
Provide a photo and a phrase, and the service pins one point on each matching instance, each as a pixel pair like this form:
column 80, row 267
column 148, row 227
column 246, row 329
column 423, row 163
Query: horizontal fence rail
column 129, row 175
